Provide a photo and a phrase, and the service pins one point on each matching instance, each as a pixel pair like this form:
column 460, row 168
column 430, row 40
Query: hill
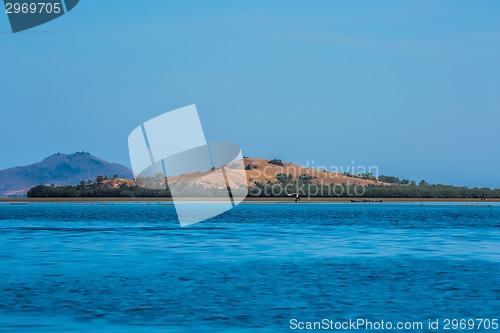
column 261, row 171
column 58, row 169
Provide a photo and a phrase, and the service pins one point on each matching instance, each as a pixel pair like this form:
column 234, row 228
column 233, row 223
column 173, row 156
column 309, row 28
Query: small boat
column 366, row 200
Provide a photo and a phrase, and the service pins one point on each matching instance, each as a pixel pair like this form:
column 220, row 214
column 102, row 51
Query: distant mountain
column 58, row 169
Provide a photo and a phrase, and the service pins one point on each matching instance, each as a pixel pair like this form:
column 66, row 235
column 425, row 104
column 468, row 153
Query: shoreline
column 247, row 200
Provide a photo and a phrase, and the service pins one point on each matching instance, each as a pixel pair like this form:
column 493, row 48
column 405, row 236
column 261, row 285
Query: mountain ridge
column 58, row 169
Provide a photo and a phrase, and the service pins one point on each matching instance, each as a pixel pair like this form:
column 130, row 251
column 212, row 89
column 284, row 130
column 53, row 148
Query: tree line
column 284, row 186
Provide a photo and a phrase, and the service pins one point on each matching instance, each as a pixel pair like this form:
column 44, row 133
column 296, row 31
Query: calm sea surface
column 131, row 268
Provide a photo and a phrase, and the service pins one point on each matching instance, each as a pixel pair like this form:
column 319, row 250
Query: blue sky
column 412, row 87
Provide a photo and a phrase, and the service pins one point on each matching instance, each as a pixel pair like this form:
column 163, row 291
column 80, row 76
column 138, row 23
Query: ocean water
column 129, row 267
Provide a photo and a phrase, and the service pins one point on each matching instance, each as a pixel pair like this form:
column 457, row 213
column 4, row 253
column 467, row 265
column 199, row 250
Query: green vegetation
column 396, row 180
column 46, row 191
column 429, row 191
column 389, row 179
column 284, row 186
column 276, row 162
column 250, row 166
column 371, row 191
column 95, row 189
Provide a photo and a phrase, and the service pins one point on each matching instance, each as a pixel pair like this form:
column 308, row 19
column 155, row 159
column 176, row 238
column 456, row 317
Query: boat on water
column 366, row 200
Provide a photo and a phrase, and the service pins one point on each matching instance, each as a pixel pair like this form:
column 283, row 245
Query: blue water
column 131, row 268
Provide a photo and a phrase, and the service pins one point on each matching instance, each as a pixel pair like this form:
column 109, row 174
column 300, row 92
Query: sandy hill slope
column 58, row 169
column 259, row 170
column 265, row 171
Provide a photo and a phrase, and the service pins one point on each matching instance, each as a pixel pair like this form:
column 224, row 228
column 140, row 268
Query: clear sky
column 412, row 87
